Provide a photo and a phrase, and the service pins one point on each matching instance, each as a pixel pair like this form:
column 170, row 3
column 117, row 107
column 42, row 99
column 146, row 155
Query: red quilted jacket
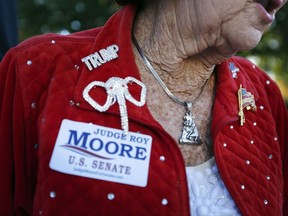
column 41, row 84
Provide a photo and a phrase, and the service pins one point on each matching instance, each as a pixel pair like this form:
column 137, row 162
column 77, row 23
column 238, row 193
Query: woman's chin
column 246, row 43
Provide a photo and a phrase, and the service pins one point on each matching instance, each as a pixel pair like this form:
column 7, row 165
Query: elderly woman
column 147, row 115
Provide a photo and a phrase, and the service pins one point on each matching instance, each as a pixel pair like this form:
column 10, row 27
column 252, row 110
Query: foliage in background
column 64, row 17
column 61, row 16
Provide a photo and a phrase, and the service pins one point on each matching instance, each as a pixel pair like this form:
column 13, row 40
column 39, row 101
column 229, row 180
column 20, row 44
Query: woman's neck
column 178, row 61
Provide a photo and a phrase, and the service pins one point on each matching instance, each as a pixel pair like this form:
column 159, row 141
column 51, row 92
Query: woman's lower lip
column 267, row 17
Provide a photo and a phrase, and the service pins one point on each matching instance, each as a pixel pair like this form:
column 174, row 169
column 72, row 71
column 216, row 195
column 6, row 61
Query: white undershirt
column 207, row 192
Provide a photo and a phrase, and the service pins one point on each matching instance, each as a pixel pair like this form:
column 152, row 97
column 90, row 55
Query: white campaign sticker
column 102, row 153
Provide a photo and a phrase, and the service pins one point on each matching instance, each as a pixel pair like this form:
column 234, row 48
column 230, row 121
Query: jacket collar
column 226, row 104
column 117, row 31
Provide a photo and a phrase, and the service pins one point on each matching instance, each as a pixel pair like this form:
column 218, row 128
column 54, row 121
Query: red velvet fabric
column 36, row 96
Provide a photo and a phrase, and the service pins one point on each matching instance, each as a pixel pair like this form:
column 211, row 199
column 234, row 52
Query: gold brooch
column 246, row 101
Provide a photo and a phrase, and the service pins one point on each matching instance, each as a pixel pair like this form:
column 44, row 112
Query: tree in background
column 64, row 17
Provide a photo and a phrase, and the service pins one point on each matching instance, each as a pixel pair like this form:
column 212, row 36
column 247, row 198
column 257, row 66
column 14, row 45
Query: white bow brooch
column 117, row 90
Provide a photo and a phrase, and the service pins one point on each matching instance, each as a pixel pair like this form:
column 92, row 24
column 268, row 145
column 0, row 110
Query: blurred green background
column 64, row 17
